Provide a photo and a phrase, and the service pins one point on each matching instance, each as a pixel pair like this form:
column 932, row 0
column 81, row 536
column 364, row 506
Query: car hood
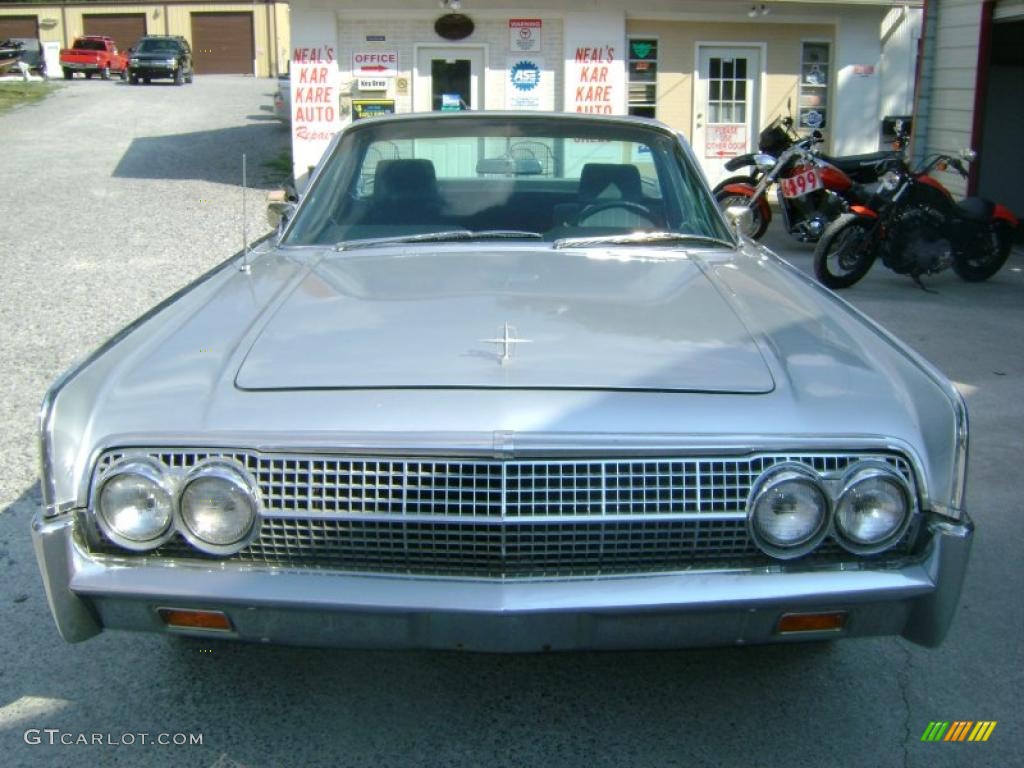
column 437, row 317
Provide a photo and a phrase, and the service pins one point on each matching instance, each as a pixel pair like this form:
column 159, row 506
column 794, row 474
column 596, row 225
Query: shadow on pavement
column 205, row 155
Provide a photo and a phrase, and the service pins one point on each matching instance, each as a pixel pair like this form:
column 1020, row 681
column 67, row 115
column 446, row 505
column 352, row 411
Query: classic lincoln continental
column 505, row 382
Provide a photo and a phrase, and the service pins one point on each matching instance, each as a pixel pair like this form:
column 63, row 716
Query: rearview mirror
column 280, row 208
column 740, row 218
column 508, row 166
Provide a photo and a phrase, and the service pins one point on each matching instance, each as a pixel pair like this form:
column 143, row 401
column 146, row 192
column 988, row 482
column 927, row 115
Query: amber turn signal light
column 183, row 618
column 812, row 622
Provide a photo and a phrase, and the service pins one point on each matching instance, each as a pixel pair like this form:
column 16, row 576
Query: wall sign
column 523, row 87
column 524, row 34
column 725, row 140
column 372, row 83
column 595, row 68
column 375, row 63
column 528, row 86
column 372, row 108
column 314, row 106
column 454, row 26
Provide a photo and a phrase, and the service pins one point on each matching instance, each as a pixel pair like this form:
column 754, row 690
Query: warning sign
column 524, row 34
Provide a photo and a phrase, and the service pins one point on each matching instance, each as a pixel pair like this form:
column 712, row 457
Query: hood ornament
column 506, row 342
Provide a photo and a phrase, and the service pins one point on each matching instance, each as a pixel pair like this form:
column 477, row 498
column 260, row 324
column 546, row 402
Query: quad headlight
column 140, row 503
column 789, row 511
column 135, row 505
column 792, row 508
column 219, row 508
column 873, row 510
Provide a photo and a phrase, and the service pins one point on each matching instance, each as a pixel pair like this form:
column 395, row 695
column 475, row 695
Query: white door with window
column 726, row 106
column 450, row 79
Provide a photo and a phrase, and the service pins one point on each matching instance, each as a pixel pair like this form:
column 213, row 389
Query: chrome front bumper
column 674, row 610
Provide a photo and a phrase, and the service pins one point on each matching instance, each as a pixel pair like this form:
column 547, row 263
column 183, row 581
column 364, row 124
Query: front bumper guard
column 87, row 594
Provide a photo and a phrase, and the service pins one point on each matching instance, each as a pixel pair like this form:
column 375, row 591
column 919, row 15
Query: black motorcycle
column 918, row 229
column 813, row 188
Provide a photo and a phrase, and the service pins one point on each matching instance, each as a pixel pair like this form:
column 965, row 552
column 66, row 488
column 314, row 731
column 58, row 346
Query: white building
column 717, row 70
column 971, row 94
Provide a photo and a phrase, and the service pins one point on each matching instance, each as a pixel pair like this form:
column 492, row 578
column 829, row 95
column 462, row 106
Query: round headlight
column 788, row 512
column 873, row 510
column 219, row 508
column 134, row 505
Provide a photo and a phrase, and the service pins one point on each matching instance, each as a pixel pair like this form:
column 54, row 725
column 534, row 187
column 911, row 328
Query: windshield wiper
column 447, row 236
column 640, row 238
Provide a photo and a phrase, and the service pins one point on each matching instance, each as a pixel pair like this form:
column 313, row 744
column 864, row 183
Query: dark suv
column 157, row 56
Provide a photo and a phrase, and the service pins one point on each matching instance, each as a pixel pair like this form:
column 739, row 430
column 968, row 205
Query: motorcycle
column 813, row 188
column 918, row 229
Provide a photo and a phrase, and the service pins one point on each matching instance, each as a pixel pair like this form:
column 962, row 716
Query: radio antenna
column 245, row 223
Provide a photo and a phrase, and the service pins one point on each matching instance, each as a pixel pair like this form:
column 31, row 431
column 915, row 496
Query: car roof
column 481, row 114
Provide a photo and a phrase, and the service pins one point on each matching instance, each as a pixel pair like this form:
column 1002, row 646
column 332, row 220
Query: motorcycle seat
column 862, row 168
column 976, row 208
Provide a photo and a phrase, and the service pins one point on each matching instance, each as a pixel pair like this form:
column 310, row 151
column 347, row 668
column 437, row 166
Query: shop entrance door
column 726, row 105
column 448, row 79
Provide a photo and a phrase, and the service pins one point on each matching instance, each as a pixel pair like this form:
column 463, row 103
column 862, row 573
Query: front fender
column 1002, row 213
column 746, row 189
column 863, row 210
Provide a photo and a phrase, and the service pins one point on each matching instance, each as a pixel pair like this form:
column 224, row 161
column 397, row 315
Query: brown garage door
column 18, row 26
column 125, row 28
column 222, row 43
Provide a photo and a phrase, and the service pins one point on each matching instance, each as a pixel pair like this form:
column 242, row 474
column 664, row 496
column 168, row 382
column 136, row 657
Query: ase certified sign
column 375, row 63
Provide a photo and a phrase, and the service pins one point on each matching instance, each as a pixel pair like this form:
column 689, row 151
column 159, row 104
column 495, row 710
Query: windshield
column 90, row 45
column 157, row 46
column 541, row 176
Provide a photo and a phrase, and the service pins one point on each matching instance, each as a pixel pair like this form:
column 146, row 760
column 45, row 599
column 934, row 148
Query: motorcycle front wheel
column 992, row 250
column 845, row 252
column 758, row 223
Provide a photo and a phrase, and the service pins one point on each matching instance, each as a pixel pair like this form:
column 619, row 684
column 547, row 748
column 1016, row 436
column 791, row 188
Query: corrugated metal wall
column 949, row 75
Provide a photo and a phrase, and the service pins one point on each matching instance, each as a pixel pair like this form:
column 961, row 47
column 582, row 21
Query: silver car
column 505, row 382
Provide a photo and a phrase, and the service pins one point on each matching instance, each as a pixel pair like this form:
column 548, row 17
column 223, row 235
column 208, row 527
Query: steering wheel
column 625, row 205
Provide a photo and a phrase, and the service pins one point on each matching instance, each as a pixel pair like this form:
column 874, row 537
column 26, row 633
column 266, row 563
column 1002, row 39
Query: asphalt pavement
column 117, row 196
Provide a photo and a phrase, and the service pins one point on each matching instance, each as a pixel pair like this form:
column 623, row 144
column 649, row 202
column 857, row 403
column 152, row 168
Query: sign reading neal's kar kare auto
column 314, row 97
column 595, row 69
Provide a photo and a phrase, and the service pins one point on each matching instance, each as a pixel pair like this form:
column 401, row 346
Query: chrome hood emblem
column 507, row 343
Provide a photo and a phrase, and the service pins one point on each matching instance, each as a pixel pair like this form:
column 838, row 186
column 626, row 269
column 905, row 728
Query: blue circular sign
column 525, row 76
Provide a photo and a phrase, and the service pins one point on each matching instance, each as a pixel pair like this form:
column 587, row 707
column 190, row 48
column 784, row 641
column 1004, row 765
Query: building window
column 643, row 77
column 814, row 79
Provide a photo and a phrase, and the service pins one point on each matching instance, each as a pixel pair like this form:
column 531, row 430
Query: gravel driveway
column 123, row 195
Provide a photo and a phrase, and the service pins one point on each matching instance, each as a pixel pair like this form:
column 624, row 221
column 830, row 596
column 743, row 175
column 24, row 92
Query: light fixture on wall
column 758, row 10
column 452, row 6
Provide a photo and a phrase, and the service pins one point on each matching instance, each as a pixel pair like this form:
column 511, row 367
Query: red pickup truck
column 92, row 54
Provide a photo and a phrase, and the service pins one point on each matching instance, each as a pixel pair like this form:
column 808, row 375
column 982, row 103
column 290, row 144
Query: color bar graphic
column 958, row 730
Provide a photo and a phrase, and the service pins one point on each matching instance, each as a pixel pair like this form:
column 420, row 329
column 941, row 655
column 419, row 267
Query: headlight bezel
column 864, row 471
column 233, row 473
column 771, row 479
column 152, row 471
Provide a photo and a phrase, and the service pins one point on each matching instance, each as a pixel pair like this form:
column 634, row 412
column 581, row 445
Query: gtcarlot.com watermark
column 55, row 736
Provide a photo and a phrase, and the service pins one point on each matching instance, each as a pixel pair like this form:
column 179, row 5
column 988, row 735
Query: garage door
column 125, row 28
column 222, row 43
column 18, row 26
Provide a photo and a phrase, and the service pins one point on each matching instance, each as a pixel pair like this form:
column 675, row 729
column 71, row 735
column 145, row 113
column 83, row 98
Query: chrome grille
column 496, row 518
